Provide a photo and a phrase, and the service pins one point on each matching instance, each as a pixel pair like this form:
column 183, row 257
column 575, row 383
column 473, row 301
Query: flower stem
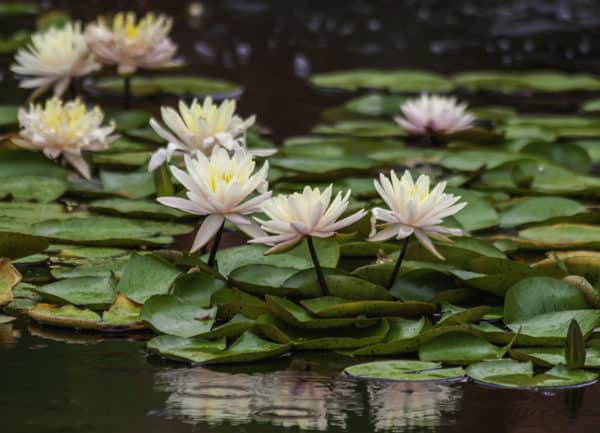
column 162, row 181
column 215, row 246
column 127, row 91
column 398, row 263
column 318, row 270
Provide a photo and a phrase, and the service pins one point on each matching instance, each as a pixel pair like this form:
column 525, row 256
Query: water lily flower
column 308, row 214
column 54, row 57
column 434, row 115
column 64, row 129
column 413, row 209
column 132, row 44
column 299, row 215
column 219, row 188
column 201, row 127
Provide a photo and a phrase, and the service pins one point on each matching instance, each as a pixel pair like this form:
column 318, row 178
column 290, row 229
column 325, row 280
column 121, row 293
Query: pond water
column 59, row 381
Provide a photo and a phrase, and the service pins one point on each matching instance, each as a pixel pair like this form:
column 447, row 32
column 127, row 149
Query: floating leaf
column 330, row 306
column 535, row 81
column 507, row 373
column 539, row 209
column 538, row 295
column 145, row 276
column 297, row 316
column 459, row 348
column 396, row 81
column 172, row 84
column 405, row 371
column 170, row 315
column 136, row 209
column 247, row 348
column 94, row 292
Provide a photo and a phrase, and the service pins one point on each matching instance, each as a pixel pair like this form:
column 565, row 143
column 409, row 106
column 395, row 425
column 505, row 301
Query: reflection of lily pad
column 507, row 373
column 405, row 371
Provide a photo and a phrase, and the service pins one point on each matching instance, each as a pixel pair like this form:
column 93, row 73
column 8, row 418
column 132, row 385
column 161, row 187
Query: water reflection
column 303, row 399
column 397, row 406
column 284, row 398
column 8, row 336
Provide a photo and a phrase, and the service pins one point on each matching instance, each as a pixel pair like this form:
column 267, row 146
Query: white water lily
column 64, row 129
column 132, row 44
column 54, row 57
column 298, row 215
column 414, row 209
column 432, row 114
column 219, row 187
column 201, row 127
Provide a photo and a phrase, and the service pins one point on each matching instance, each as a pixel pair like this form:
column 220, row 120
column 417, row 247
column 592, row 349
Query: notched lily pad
column 94, row 292
column 66, row 316
column 331, row 307
column 405, row 371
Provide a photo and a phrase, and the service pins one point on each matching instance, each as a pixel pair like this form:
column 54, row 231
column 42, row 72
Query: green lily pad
column 550, row 329
column 170, row 84
column 124, row 160
column 109, row 231
column 560, row 236
column 234, row 301
column 235, row 327
column 297, row 316
column 406, row 80
column 375, row 104
column 128, row 119
column 247, row 348
column 405, row 371
column 331, row 339
column 507, row 373
column 459, row 348
column 455, row 315
column 94, row 292
column 551, row 356
column 538, row 295
column 361, row 128
column 539, row 209
column 31, row 187
column 535, row 81
column 298, row 257
column 18, row 163
column 478, row 214
column 130, row 185
column 262, row 279
column 197, row 288
column 93, row 268
column 170, row 315
column 136, row 209
column 333, row 307
column 145, row 276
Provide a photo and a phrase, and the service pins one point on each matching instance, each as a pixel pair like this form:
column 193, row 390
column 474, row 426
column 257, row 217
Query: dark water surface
column 59, row 382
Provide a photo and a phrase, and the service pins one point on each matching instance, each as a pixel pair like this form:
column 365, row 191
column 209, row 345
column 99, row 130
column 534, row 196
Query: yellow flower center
column 214, row 177
column 421, row 195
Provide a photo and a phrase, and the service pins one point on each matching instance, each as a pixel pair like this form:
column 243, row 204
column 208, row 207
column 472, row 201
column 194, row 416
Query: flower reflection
column 284, row 398
column 398, row 406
